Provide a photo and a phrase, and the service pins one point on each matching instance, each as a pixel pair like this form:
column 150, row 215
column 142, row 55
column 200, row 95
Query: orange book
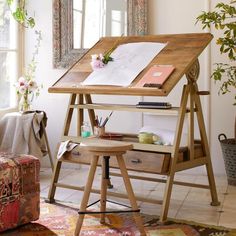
column 155, row 76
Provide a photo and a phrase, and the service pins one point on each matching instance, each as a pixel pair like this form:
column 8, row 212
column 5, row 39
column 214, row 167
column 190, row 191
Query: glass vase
column 24, row 103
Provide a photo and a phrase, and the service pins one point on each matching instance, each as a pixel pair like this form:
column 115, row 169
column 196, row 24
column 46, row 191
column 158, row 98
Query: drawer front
column 147, row 161
column 150, row 162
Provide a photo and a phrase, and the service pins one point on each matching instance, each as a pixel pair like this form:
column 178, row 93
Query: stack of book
column 154, row 105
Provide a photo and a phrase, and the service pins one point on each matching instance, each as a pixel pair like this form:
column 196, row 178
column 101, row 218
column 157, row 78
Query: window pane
column 8, row 69
column 8, row 57
column 8, row 36
column 77, row 21
column 93, row 25
column 94, row 19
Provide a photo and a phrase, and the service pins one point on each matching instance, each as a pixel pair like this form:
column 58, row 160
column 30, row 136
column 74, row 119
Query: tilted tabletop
column 181, row 51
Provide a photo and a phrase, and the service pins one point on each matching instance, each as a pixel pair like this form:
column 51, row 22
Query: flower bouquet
column 26, row 87
column 100, row 60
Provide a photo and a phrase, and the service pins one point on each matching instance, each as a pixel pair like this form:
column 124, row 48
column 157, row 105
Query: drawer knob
column 136, row 161
column 76, row 153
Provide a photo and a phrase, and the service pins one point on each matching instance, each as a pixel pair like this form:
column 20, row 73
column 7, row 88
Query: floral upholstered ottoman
column 19, row 190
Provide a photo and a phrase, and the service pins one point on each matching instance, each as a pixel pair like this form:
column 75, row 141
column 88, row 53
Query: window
column 9, row 57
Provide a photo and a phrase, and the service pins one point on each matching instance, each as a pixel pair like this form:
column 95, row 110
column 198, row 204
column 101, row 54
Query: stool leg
column 130, row 193
column 110, row 185
column 104, row 184
column 86, row 194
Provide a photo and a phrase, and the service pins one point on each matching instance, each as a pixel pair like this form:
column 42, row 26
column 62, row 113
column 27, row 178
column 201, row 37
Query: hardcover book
column 156, row 76
column 154, row 105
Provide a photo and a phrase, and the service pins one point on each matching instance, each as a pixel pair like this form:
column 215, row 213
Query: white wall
column 165, row 16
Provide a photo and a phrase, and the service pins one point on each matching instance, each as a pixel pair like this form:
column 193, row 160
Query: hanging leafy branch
column 20, row 14
column 30, row 71
column 224, row 19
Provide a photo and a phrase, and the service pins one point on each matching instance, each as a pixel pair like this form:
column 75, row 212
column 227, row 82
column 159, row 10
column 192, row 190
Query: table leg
column 211, row 179
column 52, row 190
column 174, row 155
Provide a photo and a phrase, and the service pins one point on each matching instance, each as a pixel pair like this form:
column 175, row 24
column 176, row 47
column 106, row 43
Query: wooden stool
column 105, row 149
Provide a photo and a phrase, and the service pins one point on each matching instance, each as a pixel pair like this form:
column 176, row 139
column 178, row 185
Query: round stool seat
column 101, row 145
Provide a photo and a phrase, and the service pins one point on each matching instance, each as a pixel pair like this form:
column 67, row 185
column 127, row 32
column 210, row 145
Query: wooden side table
column 25, row 133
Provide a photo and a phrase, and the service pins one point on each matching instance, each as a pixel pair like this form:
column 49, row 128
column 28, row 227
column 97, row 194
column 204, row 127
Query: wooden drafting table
column 182, row 51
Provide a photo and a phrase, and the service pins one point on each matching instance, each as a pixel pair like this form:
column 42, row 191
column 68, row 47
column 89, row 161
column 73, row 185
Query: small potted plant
column 223, row 18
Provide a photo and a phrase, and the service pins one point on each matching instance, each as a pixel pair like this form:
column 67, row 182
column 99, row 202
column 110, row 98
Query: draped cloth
column 23, row 133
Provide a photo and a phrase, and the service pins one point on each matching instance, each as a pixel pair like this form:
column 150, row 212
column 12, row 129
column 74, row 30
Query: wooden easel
column 190, row 105
column 190, row 93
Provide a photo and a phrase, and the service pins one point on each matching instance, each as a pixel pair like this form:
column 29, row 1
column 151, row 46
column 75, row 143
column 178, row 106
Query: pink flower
column 21, row 82
column 97, row 62
column 21, row 79
column 95, row 57
column 26, row 86
column 22, row 90
column 101, row 57
column 32, row 85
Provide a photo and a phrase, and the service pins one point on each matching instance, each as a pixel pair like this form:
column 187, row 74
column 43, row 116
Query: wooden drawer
column 150, row 162
column 136, row 160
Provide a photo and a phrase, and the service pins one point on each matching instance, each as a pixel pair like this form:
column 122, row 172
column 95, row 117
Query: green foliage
column 20, row 14
column 224, row 19
column 107, row 58
column 33, row 63
column 228, row 71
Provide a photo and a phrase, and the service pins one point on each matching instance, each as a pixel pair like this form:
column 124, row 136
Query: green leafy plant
column 20, row 13
column 223, row 19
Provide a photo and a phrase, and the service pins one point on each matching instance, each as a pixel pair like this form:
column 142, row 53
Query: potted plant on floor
column 223, row 18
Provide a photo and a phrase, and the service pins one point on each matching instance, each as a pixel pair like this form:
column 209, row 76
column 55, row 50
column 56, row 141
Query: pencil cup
column 99, row 131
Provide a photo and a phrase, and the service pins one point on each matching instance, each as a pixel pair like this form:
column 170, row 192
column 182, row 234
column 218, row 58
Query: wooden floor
column 187, row 203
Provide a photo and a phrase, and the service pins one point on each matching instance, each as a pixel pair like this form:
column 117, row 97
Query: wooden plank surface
column 181, row 51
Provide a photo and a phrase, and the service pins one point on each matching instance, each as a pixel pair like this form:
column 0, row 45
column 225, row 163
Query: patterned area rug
column 59, row 220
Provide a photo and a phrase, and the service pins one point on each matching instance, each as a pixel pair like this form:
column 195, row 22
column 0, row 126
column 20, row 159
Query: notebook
column 155, row 76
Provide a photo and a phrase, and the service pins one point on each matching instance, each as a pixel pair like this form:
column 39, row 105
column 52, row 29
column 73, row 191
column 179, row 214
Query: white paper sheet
column 128, row 61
